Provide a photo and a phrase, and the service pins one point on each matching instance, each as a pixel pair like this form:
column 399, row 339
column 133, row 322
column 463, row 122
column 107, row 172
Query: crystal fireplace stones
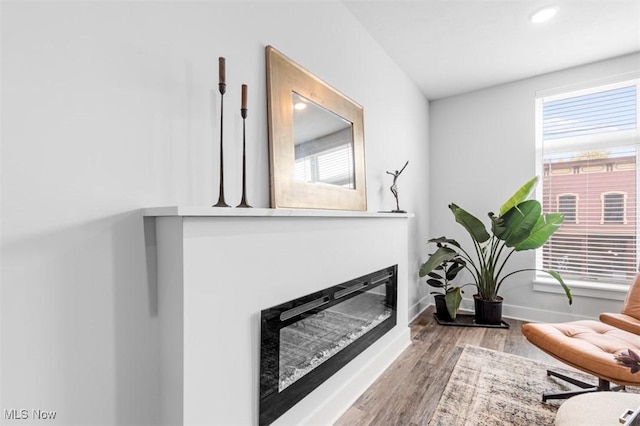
column 305, row 341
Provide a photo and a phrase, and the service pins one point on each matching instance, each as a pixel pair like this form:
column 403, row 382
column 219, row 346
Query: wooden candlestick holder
column 222, row 87
column 243, row 201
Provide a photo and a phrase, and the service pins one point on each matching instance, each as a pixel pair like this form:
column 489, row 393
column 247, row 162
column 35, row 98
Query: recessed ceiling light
column 543, row 15
column 300, row 106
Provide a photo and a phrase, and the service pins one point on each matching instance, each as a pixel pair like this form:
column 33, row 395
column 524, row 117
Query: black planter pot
column 488, row 311
column 441, row 308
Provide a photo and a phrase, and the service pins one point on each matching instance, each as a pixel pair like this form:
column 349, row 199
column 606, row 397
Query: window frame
column 596, row 288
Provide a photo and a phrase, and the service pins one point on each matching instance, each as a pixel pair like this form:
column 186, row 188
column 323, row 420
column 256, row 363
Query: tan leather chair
column 590, row 346
column 629, row 318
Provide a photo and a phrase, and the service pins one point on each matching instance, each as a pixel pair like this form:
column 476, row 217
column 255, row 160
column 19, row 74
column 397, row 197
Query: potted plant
column 440, row 276
column 519, row 226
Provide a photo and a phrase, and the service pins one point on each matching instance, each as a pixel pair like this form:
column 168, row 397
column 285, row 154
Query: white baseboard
column 522, row 313
column 419, row 307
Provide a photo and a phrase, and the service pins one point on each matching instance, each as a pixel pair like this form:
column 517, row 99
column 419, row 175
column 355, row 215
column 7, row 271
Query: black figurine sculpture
column 394, row 188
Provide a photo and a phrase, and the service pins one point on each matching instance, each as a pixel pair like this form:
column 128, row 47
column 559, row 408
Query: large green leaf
column 558, row 278
column 453, row 270
column 444, row 240
column 434, row 275
column 497, row 224
column 472, row 224
column 453, row 297
column 442, row 254
column 435, row 283
column 542, row 231
column 521, row 195
column 519, row 222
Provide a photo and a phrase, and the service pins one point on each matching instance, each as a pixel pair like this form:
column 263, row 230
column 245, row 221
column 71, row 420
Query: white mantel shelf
column 187, row 211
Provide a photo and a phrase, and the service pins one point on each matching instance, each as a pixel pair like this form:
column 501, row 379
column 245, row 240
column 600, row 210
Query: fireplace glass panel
column 309, row 342
column 305, row 341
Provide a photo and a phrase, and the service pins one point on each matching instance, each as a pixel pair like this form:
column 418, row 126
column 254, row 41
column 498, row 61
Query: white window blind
column 588, row 143
column 332, row 166
column 591, row 113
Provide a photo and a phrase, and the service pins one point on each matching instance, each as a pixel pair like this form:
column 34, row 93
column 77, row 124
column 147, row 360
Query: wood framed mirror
column 316, row 141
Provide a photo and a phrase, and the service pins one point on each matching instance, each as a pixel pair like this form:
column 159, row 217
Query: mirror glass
column 323, row 144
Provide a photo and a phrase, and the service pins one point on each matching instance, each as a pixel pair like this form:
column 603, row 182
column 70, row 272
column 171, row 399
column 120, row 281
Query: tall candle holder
column 243, row 113
column 222, row 88
column 243, row 201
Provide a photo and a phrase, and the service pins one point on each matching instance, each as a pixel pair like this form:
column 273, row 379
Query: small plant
column 440, row 276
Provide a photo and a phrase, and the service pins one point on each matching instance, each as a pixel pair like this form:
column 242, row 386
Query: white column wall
column 232, row 268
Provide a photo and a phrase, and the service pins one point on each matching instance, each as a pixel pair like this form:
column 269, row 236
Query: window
column 587, row 142
column 613, row 207
column 567, row 205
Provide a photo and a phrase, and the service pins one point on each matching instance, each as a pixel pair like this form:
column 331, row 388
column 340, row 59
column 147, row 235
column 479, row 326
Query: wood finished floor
column 408, row 392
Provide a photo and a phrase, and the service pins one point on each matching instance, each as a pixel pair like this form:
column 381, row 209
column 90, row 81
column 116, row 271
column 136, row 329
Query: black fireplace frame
column 273, row 403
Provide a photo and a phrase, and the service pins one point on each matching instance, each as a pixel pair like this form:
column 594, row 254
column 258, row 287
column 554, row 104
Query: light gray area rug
column 494, row 388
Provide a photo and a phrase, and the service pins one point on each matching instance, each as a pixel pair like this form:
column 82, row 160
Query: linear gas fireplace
column 305, row 341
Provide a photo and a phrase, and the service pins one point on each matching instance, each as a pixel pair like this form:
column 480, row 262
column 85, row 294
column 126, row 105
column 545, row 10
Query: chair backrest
column 632, row 302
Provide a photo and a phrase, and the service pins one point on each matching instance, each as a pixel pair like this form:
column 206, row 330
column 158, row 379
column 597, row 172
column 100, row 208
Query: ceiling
column 448, row 47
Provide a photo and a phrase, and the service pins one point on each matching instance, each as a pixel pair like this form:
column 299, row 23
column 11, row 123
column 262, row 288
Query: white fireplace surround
column 218, row 268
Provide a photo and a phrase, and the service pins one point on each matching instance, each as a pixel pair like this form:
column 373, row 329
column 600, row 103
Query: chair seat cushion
column 587, row 345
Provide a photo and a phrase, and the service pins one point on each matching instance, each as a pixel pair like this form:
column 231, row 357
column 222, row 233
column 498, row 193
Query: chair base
column 603, row 386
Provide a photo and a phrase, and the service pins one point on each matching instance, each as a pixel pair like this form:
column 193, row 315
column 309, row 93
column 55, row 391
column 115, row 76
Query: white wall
column 482, row 149
column 110, row 107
